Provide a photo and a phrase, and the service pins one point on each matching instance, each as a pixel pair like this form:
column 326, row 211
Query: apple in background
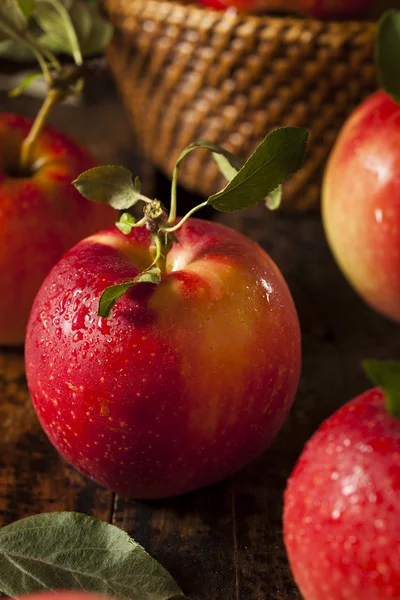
column 361, row 203
column 41, row 216
column 186, row 381
column 318, row 9
column 342, row 505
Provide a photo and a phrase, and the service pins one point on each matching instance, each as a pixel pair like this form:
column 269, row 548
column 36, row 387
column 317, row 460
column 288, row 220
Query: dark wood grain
column 33, row 478
column 224, row 542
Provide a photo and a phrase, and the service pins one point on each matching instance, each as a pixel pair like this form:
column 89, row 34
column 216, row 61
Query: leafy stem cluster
column 45, row 28
column 260, row 177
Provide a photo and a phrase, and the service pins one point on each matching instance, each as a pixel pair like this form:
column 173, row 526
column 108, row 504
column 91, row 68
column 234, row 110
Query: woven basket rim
column 259, row 18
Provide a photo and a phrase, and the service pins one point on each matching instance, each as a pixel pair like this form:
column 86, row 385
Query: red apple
column 361, row 203
column 41, row 216
column 342, row 506
column 185, row 382
column 319, row 9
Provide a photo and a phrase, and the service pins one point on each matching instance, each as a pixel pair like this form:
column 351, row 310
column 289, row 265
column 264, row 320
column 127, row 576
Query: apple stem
column 185, row 218
column 53, row 97
column 159, row 252
column 173, row 205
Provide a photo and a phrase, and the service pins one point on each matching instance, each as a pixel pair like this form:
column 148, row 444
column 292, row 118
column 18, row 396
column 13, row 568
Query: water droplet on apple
column 79, row 320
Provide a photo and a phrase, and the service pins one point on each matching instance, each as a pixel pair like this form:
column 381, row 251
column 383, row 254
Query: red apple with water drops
column 361, row 189
column 342, row 502
column 361, row 203
column 164, row 355
column 41, row 216
column 185, row 382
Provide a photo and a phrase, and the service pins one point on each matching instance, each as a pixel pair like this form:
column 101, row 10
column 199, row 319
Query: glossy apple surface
column 318, row 9
column 186, row 382
column 361, row 203
column 41, row 216
column 342, row 506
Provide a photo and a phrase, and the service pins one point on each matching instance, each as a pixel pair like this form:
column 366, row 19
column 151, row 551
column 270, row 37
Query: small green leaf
column 15, row 51
column 26, row 82
column 100, row 34
column 274, row 198
column 126, row 223
column 111, row 294
column 228, row 163
column 54, row 18
column 387, row 53
column 12, row 18
column 72, row 551
column 26, row 7
column 137, row 185
column 386, row 375
column 110, row 184
column 276, row 158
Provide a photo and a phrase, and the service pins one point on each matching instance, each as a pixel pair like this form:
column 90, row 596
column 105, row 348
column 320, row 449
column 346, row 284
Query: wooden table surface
column 224, row 542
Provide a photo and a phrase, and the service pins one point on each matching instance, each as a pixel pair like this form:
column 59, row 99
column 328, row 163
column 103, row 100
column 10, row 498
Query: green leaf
column 276, row 158
column 228, row 163
column 274, row 198
column 386, row 375
column 12, row 18
column 54, row 18
column 387, row 53
column 15, row 51
column 26, row 82
column 67, row 550
column 113, row 293
column 99, row 36
column 93, row 32
column 109, row 185
column 125, row 223
column 26, row 7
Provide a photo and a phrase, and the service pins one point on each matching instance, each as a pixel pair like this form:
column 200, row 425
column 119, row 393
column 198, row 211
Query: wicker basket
column 186, row 73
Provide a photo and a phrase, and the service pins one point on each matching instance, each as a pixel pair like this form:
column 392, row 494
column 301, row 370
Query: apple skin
column 185, row 382
column 317, row 9
column 361, row 203
column 342, row 509
column 41, row 217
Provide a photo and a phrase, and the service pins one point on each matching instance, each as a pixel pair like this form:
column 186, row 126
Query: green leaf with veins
column 387, row 53
column 26, row 82
column 274, row 198
column 55, row 20
column 386, row 375
column 109, row 185
column 12, row 19
column 113, row 293
column 72, row 551
column 125, row 223
column 280, row 154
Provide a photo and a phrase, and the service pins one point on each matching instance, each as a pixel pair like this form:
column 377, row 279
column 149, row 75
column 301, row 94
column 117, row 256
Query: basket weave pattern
column 187, row 73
